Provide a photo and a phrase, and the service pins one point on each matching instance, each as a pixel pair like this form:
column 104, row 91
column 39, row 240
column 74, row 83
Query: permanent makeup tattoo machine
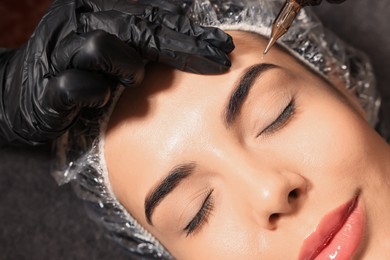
column 287, row 16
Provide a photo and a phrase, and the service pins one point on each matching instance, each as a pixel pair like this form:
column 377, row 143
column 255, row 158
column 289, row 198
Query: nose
column 270, row 194
column 278, row 195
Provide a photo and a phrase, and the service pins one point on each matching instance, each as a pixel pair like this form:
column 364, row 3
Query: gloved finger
column 74, row 89
column 119, row 23
column 184, row 25
column 129, row 6
column 102, row 52
column 157, row 42
column 187, row 53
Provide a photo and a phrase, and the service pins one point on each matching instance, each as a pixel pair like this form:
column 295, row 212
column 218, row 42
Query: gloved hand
column 82, row 49
column 317, row 2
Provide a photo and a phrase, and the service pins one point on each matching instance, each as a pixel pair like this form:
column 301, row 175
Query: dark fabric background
column 18, row 19
column 39, row 220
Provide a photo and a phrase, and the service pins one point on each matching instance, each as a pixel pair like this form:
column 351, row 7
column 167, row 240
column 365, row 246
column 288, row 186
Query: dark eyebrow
column 241, row 91
column 167, row 185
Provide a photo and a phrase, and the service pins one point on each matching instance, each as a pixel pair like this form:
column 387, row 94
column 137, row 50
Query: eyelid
column 202, row 215
column 283, row 118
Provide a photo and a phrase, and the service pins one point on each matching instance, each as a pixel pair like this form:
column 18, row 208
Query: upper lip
column 328, row 227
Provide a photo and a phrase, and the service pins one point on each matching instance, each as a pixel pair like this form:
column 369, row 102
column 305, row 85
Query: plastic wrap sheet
column 80, row 159
column 307, row 40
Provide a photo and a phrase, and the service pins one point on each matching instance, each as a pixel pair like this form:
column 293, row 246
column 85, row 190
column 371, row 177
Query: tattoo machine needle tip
column 271, row 42
column 283, row 21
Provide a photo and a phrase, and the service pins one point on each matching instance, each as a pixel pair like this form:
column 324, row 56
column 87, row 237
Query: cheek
column 228, row 235
column 327, row 139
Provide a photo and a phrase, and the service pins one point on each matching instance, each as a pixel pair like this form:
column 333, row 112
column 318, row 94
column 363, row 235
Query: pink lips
column 338, row 235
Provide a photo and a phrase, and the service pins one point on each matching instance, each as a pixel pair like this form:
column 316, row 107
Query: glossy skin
column 269, row 191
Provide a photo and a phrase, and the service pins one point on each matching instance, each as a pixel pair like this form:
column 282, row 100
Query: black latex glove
column 82, row 49
column 317, row 2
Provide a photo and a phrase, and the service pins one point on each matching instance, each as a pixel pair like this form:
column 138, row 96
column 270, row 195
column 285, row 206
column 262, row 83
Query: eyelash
column 202, row 216
column 281, row 120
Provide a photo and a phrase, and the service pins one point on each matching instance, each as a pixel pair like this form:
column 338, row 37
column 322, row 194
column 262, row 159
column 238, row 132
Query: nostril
column 293, row 195
column 273, row 218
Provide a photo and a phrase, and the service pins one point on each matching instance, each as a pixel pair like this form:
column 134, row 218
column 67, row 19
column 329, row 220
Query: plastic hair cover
column 79, row 151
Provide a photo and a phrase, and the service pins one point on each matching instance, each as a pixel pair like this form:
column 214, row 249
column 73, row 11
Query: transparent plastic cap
column 79, row 152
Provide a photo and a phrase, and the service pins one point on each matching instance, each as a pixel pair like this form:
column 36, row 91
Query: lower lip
column 346, row 241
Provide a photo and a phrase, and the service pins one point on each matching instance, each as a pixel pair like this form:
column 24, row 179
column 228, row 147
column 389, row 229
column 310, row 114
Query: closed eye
column 202, row 216
column 281, row 120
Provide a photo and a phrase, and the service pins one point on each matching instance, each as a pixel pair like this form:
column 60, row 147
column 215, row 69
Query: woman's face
column 248, row 164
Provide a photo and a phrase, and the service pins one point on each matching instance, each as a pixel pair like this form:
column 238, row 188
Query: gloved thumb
column 101, row 52
column 74, row 89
